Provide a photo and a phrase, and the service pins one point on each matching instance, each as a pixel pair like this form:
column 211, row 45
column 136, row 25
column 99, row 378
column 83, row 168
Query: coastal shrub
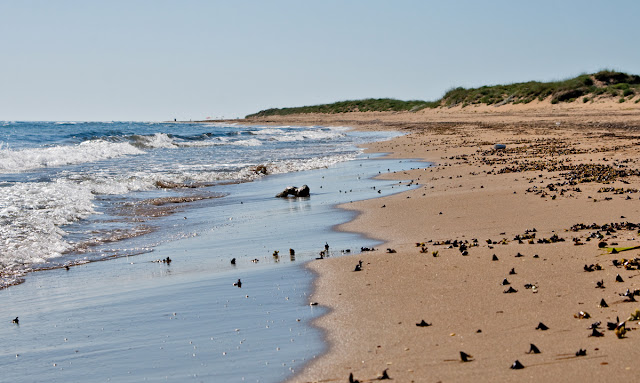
column 621, row 100
column 366, row 105
column 609, row 83
column 622, row 86
column 599, row 91
column 569, row 95
column 613, row 77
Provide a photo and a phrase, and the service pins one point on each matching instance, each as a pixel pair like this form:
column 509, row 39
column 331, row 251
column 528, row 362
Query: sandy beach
column 541, row 217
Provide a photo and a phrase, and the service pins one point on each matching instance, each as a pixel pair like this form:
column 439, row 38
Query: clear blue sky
column 190, row 59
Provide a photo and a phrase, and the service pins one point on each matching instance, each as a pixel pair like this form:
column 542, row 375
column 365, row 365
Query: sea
column 116, row 241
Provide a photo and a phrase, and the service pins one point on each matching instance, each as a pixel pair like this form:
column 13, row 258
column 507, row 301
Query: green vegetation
column 367, row 105
column 586, row 87
column 620, row 249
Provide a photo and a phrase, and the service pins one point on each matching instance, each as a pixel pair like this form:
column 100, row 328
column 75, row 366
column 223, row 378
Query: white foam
column 108, row 185
column 204, row 173
column 249, row 142
column 158, row 140
column 298, row 134
column 14, row 161
column 309, row 164
column 31, row 217
column 278, row 167
column 194, row 144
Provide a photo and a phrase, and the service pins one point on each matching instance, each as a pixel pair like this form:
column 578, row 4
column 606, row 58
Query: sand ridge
column 533, row 206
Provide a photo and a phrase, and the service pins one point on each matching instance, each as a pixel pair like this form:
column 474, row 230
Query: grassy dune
column 584, row 88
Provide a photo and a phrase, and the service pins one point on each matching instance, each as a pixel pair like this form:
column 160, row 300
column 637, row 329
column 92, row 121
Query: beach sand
column 563, row 165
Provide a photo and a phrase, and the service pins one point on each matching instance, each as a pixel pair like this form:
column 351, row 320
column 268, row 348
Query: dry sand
column 558, row 158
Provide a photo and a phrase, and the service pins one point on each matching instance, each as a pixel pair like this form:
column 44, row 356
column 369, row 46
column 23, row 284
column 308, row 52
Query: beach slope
column 493, row 246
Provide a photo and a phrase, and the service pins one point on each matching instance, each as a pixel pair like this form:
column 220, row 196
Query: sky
column 155, row 60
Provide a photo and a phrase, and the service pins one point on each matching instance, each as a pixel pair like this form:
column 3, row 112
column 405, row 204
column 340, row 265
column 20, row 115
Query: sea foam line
column 14, row 161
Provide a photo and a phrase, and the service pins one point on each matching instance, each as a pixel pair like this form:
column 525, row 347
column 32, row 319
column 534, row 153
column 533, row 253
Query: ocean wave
column 200, row 175
column 31, row 219
column 157, row 140
column 249, row 142
column 47, row 224
column 309, row 164
column 14, row 161
column 255, row 171
column 258, row 136
column 163, row 140
column 195, row 144
column 287, row 134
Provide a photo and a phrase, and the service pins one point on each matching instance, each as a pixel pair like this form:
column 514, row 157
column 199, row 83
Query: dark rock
column 384, row 376
column 465, row 357
column 533, row 349
column 542, row 326
column 302, row 191
column 596, row 333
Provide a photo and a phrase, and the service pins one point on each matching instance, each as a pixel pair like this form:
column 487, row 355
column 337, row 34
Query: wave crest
column 15, row 161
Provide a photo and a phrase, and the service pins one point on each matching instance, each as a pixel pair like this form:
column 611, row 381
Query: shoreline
column 102, row 219
column 372, row 315
column 137, row 311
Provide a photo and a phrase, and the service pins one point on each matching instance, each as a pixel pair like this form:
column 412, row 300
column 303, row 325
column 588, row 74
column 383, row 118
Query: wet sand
column 137, row 318
column 563, row 166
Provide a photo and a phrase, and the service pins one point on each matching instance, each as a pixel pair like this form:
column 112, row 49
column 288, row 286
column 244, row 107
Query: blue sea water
column 134, row 193
column 71, row 192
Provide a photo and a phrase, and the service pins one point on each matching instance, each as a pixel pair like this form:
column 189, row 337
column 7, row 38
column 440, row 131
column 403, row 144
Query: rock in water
column 302, row 191
column 285, row 193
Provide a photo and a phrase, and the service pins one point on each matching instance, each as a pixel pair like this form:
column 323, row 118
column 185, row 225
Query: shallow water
column 71, row 192
column 131, row 319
